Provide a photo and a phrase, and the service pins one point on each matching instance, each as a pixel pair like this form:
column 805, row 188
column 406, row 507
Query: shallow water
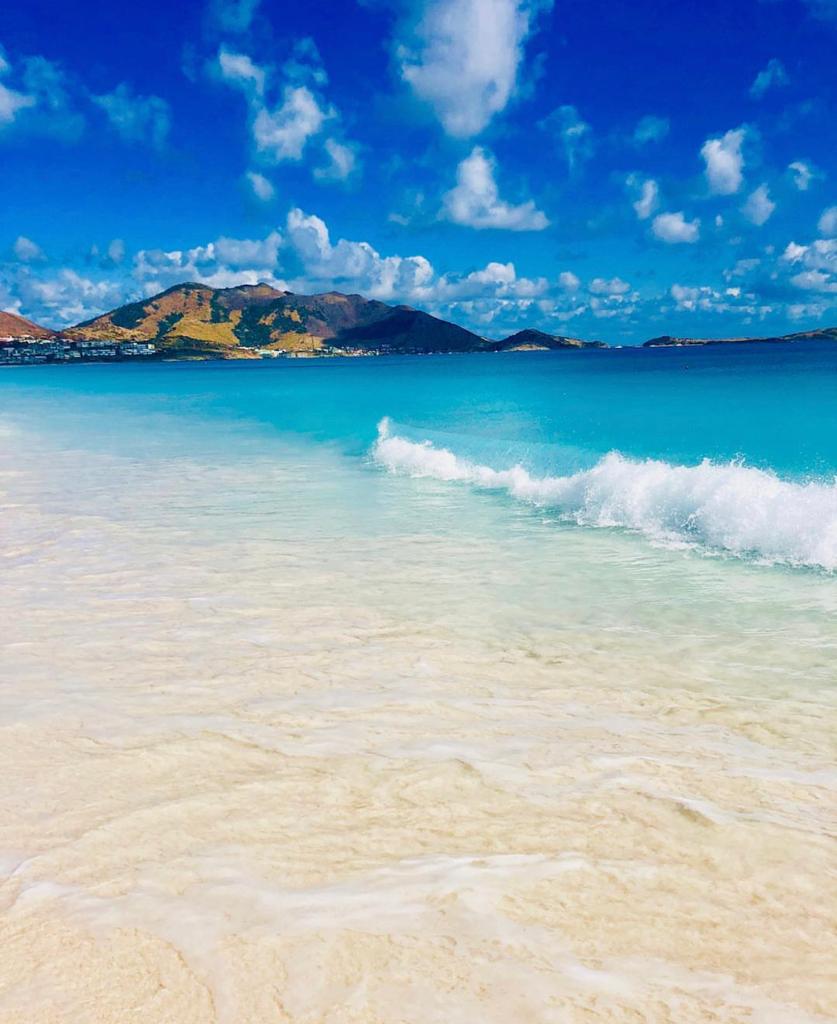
column 297, row 727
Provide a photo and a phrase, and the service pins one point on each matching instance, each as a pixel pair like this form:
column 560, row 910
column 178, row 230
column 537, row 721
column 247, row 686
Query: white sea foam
column 724, row 507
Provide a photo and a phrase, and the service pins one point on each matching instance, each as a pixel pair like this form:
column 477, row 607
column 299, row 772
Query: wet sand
column 316, row 772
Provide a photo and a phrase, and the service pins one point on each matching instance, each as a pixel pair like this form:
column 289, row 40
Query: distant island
column 194, row 321
column 667, row 341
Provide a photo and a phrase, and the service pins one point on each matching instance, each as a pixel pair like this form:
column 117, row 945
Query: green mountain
column 532, row 340
column 196, row 321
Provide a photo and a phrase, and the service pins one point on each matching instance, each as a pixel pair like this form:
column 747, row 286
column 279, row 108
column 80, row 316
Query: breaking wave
column 726, row 507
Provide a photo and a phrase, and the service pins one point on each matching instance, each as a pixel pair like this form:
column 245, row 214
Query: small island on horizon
column 192, row 321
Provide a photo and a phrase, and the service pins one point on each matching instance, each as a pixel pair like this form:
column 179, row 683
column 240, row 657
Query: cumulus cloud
column 773, row 76
column 260, row 186
column 614, row 286
column 284, row 130
column 61, row 298
column 674, row 228
column 572, row 132
column 803, row 174
column 814, row 265
column 136, row 118
column 759, row 206
column 342, row 161
column 11, row 102
column 224, row 263
column 115, row 252
column 815, row 281
column 40, row 99
column 647, row 194
column 494, row 281
column 484, row 296
column 475, row 201
column 568, row 281
column 28, row 251
column 706, row 299
column 282, row 133
column 651, row 129
column 462, row 57
column 725, row 162
column 827, row 224
column 241, row 71
column 355, row 263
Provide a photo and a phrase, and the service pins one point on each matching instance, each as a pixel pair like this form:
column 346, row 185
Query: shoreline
column 160, row 358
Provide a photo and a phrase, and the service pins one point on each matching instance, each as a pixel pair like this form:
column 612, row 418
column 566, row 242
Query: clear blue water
column 405, row 663
column 774, row 406
column 764, row 416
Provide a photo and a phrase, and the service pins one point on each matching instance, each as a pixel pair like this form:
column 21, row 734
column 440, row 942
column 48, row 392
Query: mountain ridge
column 12, row 325
column 195, row 320
column 192, row 320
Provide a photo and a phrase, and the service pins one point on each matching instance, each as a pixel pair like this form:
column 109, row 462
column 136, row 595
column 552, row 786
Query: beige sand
column 243, row 780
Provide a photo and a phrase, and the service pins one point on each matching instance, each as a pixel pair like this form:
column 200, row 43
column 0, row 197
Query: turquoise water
column 480, row 688
column 733, row 450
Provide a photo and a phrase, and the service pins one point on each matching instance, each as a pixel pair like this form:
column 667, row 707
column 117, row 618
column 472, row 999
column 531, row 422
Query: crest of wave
column 730, row 507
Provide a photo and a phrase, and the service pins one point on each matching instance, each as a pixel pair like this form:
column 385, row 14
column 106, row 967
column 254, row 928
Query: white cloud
column 821, row 254
column 495, row 280
column 615, row 286
column 342, row 162
column 224, row 263
column 673, row 228
column 42, row 101
column 67, row 297
column 572, row 132
column 647, row 193
column 11, row 104
column 568, row 281
column 759, row 206
column 283, row 131
column 651, row 129
column 803, row 174
column 705, row 299
column 116, row 251
column 239, row 70
column 475, row 201
column 794, row 253
column 773, row 76
column 480, row 297
column 282, row 134
column 724, row 162
column 136, row 118
column 462, row 57
column 260, row 186
column 815, row 281
column 815, row 263
column 28, row 251
column 827, row 224
column 241, row 253
column 357, row 264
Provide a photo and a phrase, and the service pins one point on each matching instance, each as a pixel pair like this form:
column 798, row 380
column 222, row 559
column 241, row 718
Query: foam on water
column 728, row 507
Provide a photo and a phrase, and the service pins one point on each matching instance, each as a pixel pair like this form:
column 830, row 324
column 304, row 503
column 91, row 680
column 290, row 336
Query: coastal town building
column 25, row 351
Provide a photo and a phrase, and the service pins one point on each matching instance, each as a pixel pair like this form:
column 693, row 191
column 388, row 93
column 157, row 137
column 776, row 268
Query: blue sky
column 590, row 168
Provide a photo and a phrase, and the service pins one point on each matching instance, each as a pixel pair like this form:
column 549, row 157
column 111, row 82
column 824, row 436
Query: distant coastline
column 195, row 322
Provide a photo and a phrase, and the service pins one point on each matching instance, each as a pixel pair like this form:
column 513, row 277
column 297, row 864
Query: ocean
column 483, row 688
